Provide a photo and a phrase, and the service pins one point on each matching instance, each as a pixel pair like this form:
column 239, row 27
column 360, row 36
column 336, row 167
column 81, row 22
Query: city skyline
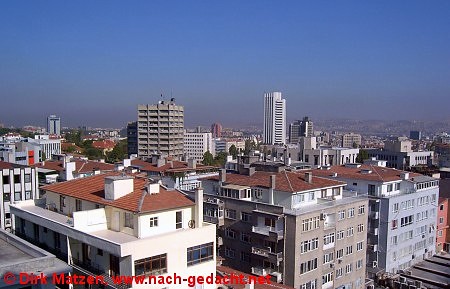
column 378, row 60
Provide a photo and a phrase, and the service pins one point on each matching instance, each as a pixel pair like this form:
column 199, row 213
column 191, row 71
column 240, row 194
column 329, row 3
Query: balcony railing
column 267, row 252
column 268, row 231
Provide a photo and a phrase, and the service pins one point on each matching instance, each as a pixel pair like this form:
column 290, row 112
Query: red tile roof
column 81, row 166
column 228, row 271
column 93, row 189
column 171, row 166
column 104, row 144
column 284, row 181
column 6, row 165
column 378, row 174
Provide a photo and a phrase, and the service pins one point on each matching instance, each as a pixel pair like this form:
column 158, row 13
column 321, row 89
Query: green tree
column 118, row 153
column 74, row 136
column 208, row 159
column 354, row 145
column 93, row 153
column 249, row 146
column 220, row 159
column 233, row 151
column 362, row 155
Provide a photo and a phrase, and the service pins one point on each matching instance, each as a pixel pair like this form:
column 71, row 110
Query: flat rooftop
column 433, row 272
column 10, row 254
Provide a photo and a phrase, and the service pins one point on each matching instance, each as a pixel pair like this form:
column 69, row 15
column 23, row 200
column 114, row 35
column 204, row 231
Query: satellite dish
column 191, row 224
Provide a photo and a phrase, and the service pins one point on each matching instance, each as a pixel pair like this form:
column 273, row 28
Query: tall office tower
column 274, row 118
column 54, row 125
column 216, row 130
column 300, row 128
column 160, row 129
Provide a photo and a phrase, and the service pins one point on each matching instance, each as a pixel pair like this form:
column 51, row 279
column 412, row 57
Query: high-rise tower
column 54, row 125
column 274, row 118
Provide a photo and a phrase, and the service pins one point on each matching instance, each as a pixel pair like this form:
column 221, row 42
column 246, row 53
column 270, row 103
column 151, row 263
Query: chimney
column 118, row 186
column 69, row 169
column 153, row 188
column 250, row 285
column 222, row 176
column 126, row 163
column 251, row 171
column 272, row 188
column 192, row 164
column 198, row 207
column 404, row 176
column 308, row 177
column 160, row 163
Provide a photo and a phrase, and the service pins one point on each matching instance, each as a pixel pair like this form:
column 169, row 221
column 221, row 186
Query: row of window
column 351, row 212
column 17, row 196
column 17, row 179
column 157, row 265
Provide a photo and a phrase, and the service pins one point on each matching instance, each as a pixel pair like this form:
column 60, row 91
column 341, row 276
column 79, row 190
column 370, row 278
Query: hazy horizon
column 93, row 62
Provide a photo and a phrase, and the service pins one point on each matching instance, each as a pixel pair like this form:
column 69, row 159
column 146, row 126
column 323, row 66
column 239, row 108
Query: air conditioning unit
column 375, row 264
column 8, row 222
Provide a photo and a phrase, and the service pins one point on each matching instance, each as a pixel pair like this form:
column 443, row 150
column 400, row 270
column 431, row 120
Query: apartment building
column 160, row 129
column 196, row 144
column 402, row 213
column 121, row 224
column 302, row 230
column 17, row 183
column 300, row 128
column 49, row 146
column 350, row 140
column 21, row 152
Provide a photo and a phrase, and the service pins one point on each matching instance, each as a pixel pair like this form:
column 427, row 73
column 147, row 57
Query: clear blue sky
column 92, row 62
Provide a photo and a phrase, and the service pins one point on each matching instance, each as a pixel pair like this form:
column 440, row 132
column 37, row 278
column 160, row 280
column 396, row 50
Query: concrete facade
column 196, row 144
column 274, row 131
column 160, row 129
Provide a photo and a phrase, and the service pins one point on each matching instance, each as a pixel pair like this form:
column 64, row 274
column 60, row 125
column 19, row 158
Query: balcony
column 214, row 220
column 259, row 271
column 268, row 231
column 267, row 253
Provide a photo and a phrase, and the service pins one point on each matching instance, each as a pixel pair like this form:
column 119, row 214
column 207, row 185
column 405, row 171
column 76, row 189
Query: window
column 349, row 231
column 441, row 220
column 389, row 187
column 246, row 238
column 441, row 207
column 17, row 196
column 269, row 222
column 17, row 179
column 339, row 273
column 361, row 209
column 179, row 220
column 348, row 268
column 328, row 239
column 230, row 233
column 351, row 213
column 230, row 253
column 5, row 180
column 128, row 220
column 155, row 265
column 327, row 278
column 308, row 266
column 309, row 285
column 394, row 240
column 340, row 235
column 310, row 224
column 27, row 195
column 329, row 257
column 440, row 233
column 6, row 197
column 405, row 221
column 246, row 217
column 359, row 246
column 349, row 250
column 62, row 202
column 100, row 252
column 230, row 214
column 341, row 215
column 397, row 186
column 340, row 253
column 27, row 178
column 360, row 228
column 394, row 224
column 395, row 208
column 78, row 206
column 371, row 189
column 359, row 264
column 199, row 254
column 309, row 245
column 245, row 257
column 154, row 222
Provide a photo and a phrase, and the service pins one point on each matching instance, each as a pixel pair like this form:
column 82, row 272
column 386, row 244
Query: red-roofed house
column 105, row 145
column 119, row 224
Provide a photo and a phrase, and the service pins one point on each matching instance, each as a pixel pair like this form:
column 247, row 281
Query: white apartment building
column 329, row 156
column 17, row 183
column 118, row 224
column 49, row 146
column 274, row 131
column 196, row 144
column 402, row 213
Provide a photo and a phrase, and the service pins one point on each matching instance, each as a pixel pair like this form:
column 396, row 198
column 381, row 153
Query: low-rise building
column 118, row 224
column 196, row 144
